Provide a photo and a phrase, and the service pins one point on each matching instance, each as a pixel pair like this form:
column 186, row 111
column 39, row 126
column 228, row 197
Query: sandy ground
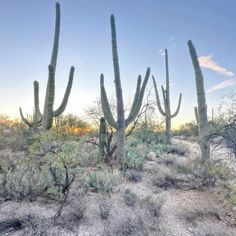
column 183, row 212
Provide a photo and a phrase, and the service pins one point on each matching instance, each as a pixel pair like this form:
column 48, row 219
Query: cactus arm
column 178, row 107
column 56, row 37
column 157, row 97
column 49, row 99
column 164, row 95
column 37, row 112
column 135, row 111
column 62, row 107
column 196, row 114
column 30, row 124
column 134, row 104
column 105, row 105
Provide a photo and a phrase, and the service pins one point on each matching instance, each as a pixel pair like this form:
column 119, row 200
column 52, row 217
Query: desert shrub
column 132, row 175
column 26, row 180
column 127, row 225
column 129, row 197
column 173, row 149
column 14, row 135
column 104, row 208
column 103, row 181
column 188, row 129
column 78, row 209
column 231, row 196
column 149, row 136
column 47, row 142
column 134, row 160
column 73, row 125
column 201, row 215
column 48, row 168
column 153, row 207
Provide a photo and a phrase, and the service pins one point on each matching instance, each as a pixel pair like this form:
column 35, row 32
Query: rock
column 151, row 156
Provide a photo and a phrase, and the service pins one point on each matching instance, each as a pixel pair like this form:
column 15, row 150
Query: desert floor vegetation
column 119, row 170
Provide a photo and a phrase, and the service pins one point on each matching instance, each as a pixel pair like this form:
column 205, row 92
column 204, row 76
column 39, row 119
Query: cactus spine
column 102, row 137
column 45, row 119
column 201, row 111
column 121, row 123
column 166, row 99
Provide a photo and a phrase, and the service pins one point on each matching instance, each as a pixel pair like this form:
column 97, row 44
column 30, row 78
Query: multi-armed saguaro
column 45, row 119
column 166, row 99
column 121, row 123
column 201, row 111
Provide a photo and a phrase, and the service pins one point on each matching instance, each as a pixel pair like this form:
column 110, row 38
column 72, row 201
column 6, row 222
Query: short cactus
column 166, row 99
column 201, row 111
column 121, row 123
column 45, row 119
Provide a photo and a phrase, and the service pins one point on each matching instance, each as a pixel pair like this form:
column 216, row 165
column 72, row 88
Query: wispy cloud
column 162, row 52
column 209, row 63
column 222, row 85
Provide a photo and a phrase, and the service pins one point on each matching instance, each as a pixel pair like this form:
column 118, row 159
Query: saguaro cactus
column 45, row 119
column 201, row 110
column 166, row 99
column 121, row 123
column 102, row 137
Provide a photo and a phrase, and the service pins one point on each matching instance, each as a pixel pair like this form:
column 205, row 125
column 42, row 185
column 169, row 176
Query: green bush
column 103, row 181
column 134, row 159
column 129, row 197
column 14, row 136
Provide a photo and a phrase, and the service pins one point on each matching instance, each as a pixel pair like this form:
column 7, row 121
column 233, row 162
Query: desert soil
column 184, row 212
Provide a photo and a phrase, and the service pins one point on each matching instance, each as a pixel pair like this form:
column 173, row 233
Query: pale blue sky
column 144, row 27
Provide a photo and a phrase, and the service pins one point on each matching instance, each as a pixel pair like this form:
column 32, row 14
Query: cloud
column 162, row 52
column 222, row 85
column 209, row 63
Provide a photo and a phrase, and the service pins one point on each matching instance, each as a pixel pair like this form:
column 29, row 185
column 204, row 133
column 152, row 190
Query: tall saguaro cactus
column 121, row 123
column 166, row 99
column 201, row 110
column 45, row 119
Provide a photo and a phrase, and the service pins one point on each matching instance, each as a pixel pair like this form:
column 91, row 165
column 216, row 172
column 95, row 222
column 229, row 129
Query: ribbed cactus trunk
column 167, row 102
column 166, row 99
column 201, row 111
column 119, row 96
column 121, row 123
column 45, row 120
column 102, row 137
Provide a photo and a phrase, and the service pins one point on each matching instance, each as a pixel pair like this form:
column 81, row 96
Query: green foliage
column 232, row 195
column 217, row 170
column 55, row 193
column 14, row 136
column 149, row 137
column 104, row 210
column 27, row 180
column 103, row 181
column 152, row 206
column 129, row 197
column 132, row 175
column 188, row 129
column 134, row 158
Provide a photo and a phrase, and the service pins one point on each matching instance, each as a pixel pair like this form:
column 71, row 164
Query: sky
column 144, row 29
